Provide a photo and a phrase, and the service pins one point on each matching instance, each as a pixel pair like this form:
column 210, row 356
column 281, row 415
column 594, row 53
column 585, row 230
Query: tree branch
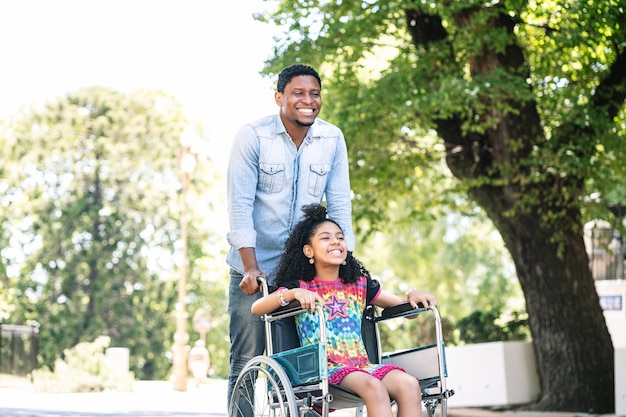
column 611, row 92
column 424, row 28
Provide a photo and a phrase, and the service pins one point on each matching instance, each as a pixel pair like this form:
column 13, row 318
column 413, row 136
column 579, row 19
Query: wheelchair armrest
column 292, row 309
column 400, row 310
column 292, row 306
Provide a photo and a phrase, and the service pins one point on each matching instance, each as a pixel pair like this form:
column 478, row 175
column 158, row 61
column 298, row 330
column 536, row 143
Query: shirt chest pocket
column 271, row 177
column 318, row 175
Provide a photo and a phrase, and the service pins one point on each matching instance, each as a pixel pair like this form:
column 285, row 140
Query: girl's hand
column 307, row 298
column 416, row 296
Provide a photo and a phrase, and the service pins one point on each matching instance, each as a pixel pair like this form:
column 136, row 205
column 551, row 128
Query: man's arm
column 241, row 188
column 249, row 284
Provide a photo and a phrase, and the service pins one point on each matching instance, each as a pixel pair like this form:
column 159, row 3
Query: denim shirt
column 269, row 180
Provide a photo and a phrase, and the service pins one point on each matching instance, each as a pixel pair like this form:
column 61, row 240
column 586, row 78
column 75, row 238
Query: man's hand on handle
column 249, row 284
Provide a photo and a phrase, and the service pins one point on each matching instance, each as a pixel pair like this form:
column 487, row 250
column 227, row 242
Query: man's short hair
column 295, row 70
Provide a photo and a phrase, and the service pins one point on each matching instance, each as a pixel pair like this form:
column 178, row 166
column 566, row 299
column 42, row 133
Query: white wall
column 119, row 359
column 612, row 295
column 492, row 374
column 505, row 373
column 620, row 381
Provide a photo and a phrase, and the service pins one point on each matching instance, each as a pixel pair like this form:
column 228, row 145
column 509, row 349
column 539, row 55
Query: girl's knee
column 376, row 390
column 407, row 388
column 413, row 383
column 369, row 388
column 375, row 385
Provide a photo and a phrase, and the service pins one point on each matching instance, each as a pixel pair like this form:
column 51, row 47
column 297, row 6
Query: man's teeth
column 309, row 111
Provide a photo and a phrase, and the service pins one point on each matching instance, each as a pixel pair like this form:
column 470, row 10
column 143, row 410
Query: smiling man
column 277, row 165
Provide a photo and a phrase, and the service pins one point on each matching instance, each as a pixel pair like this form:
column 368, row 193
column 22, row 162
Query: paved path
column 158, row 399
column 149, row 399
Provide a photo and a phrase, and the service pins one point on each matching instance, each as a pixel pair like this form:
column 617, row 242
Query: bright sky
column 207, row 53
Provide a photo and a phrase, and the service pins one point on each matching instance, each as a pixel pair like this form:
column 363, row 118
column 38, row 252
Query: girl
column 316, row 267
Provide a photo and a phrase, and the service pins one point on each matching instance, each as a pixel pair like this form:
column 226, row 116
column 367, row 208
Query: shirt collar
column 311, row 134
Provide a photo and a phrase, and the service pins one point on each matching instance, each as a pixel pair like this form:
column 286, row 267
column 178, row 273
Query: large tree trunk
column 572, row 343
column 543, row 233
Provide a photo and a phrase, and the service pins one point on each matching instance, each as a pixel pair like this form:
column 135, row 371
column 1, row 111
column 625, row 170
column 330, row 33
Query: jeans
column 247, row 332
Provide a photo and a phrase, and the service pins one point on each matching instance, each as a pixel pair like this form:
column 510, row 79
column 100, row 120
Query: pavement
column 158, row 399
column 148, row 399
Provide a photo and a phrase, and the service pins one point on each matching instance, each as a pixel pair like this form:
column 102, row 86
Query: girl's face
column 328, row 245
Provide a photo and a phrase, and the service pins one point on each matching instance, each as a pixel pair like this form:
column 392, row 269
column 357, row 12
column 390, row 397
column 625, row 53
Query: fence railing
column 18, row 349
column 605, row 247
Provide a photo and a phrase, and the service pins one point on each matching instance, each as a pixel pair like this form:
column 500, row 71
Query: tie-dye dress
column 345, row 304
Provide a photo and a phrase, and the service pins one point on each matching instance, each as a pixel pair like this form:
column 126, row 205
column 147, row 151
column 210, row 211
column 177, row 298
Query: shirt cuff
column 245, row 238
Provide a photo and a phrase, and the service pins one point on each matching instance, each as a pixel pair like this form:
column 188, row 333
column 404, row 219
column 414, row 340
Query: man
column 277, row 165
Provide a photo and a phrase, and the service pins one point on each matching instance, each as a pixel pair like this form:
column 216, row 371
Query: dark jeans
column 247, row 333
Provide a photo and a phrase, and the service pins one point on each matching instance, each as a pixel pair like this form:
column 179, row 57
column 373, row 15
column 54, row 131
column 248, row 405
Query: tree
column 527, row 99
column 458, row 257
column 90, row 202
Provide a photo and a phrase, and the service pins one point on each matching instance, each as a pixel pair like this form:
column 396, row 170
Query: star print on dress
column 345, row 303
column 337, row 308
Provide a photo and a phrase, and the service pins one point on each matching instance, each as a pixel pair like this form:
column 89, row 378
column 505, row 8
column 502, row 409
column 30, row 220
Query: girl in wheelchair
column 316, row 267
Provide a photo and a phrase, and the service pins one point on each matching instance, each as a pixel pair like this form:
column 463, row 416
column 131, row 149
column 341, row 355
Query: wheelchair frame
column 294, row 380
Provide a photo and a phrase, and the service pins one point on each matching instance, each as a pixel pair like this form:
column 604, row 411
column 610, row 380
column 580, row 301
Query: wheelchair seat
column 303, row 363
column 295, row 377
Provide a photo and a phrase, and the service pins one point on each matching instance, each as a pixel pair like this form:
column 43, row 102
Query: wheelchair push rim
column 263, row 389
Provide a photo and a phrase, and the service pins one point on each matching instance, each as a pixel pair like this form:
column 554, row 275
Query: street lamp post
column 187, row 162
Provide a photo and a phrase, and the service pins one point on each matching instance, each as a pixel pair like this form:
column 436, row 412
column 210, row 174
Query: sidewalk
column 149, row 398
column 481, row 412
column 158, row 399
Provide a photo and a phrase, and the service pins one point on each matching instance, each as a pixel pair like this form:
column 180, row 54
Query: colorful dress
column 344, row 304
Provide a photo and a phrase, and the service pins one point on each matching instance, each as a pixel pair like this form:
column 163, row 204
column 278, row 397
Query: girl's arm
column 386, row 299
column 283, row 296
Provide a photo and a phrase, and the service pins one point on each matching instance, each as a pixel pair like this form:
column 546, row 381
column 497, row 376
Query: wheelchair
column 291, row 380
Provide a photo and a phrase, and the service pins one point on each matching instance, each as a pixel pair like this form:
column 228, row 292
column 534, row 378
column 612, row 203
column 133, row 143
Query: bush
column 488, row 326
column 84, row 368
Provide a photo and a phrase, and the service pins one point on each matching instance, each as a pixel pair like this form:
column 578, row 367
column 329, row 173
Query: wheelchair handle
column 262, row 283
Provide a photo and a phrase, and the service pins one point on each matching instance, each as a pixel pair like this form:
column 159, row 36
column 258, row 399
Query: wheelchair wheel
column 263, row 389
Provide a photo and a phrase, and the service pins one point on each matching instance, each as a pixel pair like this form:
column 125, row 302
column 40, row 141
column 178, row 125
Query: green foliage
column 487, row 326
column 84, row 368
column 405, row 334
column 91, row 216
column 456, row 255
column 459, row 257
column 208, row 292
column 96, row 170
column 390, row 85
column 526, row 101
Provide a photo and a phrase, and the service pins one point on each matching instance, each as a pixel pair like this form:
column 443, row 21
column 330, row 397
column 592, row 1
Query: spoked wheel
column 263, row 389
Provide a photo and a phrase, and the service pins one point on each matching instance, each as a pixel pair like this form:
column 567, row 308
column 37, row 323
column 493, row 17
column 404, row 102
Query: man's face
column 302, row 100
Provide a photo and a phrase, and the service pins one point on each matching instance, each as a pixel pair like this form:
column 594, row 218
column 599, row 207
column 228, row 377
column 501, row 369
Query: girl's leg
column 405, row 390
column 371, row 390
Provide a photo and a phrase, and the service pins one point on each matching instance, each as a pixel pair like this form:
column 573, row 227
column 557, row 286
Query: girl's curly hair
column 294, row 265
